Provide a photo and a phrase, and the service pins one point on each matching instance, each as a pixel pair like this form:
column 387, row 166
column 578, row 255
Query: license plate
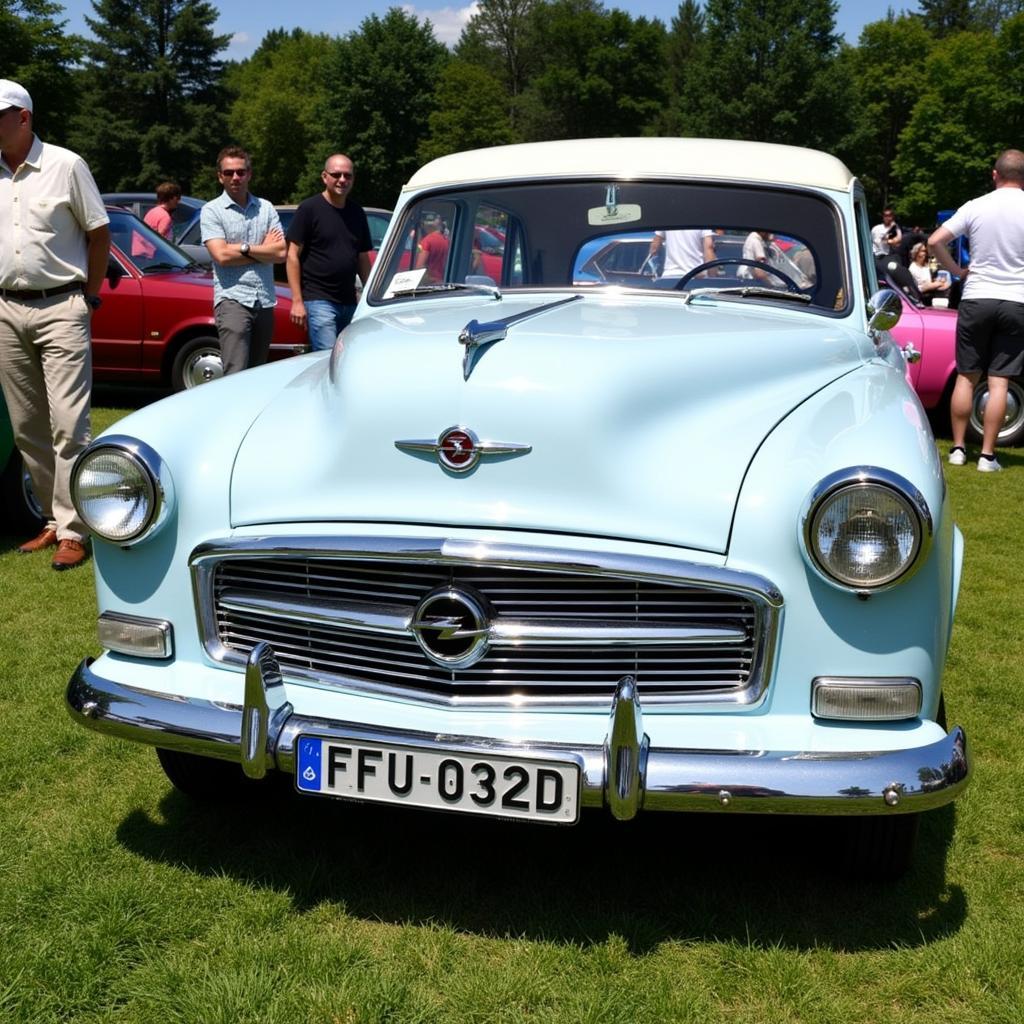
column 506, row 787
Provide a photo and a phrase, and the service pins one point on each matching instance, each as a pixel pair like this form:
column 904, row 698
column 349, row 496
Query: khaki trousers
column 46, row 376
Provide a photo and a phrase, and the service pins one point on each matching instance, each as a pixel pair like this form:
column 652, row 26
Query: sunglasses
column 235, row 172
column 339, row 174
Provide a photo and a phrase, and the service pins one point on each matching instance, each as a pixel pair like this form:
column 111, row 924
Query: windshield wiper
column 164, row 266
column 431, row 289
column 744, row 290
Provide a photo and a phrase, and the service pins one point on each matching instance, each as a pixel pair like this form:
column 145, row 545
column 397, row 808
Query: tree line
column 917, row 109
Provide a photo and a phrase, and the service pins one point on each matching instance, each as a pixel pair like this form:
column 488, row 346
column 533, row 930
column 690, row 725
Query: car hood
column 641, row 417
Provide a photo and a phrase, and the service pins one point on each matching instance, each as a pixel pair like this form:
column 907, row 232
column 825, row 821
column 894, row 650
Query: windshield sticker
column 615, row 213
column 404, row 280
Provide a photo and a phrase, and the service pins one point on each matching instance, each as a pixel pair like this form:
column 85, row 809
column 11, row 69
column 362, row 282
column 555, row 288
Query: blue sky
column 247, row 21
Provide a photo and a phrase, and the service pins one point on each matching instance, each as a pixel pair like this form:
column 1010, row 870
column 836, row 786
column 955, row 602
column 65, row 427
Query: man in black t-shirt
column 328, row 244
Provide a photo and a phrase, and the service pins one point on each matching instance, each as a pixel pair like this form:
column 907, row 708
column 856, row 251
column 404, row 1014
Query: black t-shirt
column 331, row 240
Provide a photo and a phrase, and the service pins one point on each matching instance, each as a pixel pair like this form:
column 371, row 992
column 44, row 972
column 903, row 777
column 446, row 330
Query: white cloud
column 448, row 22
column 239, row 40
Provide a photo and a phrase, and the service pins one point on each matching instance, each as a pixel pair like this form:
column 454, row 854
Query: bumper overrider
column 625, row 774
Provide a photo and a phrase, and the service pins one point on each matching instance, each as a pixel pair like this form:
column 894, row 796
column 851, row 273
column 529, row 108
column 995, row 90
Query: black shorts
column 990, row 337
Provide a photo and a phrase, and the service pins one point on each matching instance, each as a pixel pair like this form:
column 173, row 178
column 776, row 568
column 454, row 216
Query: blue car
column 537, row 541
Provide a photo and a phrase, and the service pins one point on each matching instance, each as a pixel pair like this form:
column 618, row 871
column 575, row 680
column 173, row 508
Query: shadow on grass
column 764, row 881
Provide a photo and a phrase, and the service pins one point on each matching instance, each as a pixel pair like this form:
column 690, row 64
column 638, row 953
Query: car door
column 117, row 325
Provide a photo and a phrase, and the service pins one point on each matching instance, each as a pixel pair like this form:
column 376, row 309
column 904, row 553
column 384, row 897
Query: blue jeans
column 327, row 320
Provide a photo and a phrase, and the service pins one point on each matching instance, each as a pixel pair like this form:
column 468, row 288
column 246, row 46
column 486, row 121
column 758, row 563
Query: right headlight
column 121, row 489
column 866, row 529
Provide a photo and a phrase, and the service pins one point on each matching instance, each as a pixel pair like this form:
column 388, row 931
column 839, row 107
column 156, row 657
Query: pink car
column 932, row 332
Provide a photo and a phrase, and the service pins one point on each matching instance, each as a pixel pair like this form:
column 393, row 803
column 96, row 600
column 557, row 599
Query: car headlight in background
column 121, row 489
column 866, row 529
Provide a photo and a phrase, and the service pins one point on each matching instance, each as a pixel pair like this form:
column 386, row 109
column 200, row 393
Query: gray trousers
column 46, row 376
column 244, row 333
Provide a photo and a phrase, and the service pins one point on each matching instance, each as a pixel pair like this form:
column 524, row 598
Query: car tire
column 1012, row 432
column 20, row 510
column 208, row 780
column 196, row 362
column 880, row 847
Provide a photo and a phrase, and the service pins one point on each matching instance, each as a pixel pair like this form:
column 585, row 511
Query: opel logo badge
column 457, row 450
column 451, row 625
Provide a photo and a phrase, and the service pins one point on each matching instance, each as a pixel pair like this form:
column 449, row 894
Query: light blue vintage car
column 551, row 529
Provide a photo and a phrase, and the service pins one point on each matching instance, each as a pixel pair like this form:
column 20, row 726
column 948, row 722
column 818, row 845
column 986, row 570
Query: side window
column 487, row 252
column 867, row 262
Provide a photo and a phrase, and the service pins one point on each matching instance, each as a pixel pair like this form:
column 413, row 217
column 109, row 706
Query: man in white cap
column 56, row 243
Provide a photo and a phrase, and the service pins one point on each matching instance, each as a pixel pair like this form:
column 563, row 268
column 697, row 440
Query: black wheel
column 790, row 284
column 197, row 361
column 1012, row 431
column 207, row 780
column 19, row 510
column 879, row 847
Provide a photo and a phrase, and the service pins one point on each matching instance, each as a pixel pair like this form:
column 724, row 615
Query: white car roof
column 710, row 159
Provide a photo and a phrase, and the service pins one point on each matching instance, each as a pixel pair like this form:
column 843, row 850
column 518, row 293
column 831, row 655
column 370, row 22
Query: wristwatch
column 244, row 249
column 94, row 300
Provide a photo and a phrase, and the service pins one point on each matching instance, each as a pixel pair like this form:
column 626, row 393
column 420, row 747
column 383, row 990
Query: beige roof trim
column 699, row 159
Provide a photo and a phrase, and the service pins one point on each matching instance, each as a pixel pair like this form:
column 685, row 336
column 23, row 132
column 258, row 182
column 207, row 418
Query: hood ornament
column 476, row 335
column 459, row 449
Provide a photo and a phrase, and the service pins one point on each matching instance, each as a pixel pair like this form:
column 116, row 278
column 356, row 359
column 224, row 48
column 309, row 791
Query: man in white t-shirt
column 684, row 250
column 887, row 236
column 990, row 321
column 757, row 248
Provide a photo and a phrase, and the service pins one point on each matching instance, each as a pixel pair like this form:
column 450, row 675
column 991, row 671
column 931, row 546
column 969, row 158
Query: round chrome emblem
column 457, row 449
column 451, row 626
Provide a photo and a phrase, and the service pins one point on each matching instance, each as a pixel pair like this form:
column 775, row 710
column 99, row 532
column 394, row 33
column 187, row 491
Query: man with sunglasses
column 244, row 236
column 328, row 244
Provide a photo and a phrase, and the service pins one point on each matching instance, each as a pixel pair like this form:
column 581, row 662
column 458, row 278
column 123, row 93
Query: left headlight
column 121, row 489
column 866, row 529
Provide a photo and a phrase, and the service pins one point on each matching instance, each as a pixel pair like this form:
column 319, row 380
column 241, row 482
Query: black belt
column 27, row 294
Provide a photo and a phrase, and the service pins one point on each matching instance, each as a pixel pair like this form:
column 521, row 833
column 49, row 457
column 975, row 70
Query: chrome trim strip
column 748, row 781
column 392, row 619
column 397, row 620
column 625, row 752
column 448, row 551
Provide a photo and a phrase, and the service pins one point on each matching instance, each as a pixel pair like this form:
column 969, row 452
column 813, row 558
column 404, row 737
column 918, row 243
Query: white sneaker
column 988, row 465
column 957, row 457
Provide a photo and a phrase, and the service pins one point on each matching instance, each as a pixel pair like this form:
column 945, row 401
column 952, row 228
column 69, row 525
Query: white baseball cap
column 13, row 95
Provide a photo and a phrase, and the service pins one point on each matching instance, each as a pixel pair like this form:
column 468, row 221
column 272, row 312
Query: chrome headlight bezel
column 866, row 477
column 153, row 469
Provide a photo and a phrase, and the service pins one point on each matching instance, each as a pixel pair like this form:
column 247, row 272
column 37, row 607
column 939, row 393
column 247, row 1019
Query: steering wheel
column 791, row 285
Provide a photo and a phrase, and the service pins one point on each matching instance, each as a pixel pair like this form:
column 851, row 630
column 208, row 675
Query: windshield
column 143, row 246
column 731, row 241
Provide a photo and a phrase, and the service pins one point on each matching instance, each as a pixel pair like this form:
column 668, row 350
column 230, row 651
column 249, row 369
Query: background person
column 684, row 250
column 886, row 237
column 990, row 320
column 160, row 219
column 52, row 265
column 432, row 251
column 244, row 236
column 328, row 244
column 922, row 274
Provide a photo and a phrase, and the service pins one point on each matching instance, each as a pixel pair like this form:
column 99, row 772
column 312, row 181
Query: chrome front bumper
column 624, row 774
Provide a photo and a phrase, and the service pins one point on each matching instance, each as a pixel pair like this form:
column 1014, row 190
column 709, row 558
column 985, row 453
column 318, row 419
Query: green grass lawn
column 120, row 901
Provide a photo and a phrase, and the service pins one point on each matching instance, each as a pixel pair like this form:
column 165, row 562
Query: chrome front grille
column 343, row 618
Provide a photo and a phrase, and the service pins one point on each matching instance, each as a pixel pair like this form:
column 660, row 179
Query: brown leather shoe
column 69, row 554
column 45, row 540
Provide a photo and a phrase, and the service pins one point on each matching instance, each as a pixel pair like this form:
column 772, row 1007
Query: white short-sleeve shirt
column 46, row 207
column 684, row 250
column 994, row 226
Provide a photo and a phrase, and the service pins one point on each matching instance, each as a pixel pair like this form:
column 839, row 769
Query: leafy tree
column 278, row 91
column 971, row 108
column 990, row 14
column 379, row 85
column 152, row 105
column 886, row 70
column 35, row 53
column 944, row 17
column 497, row 39
column 769, row 73
column 471, row 113
column 603, row 73
column 684, row 53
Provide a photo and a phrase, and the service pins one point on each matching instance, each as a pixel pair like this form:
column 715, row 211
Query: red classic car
column 156, row 323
